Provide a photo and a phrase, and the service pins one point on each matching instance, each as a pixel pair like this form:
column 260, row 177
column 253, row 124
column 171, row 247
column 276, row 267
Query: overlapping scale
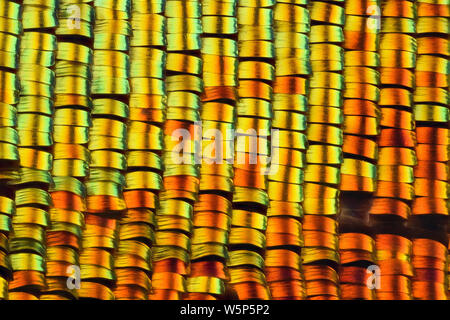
column 361, row 127
column 72, row 120
column 144, row 166
column 183, row 86
column 28, row 247
column 255, row 75
column 213, row 210
column 286, row 176
column 393, row 253
column 120, row 165
column 324, row 155
column 10, row 30
column 429, row 259
column 105, row 201
column 448, row 272
column 431, row 114
column 391, row 205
